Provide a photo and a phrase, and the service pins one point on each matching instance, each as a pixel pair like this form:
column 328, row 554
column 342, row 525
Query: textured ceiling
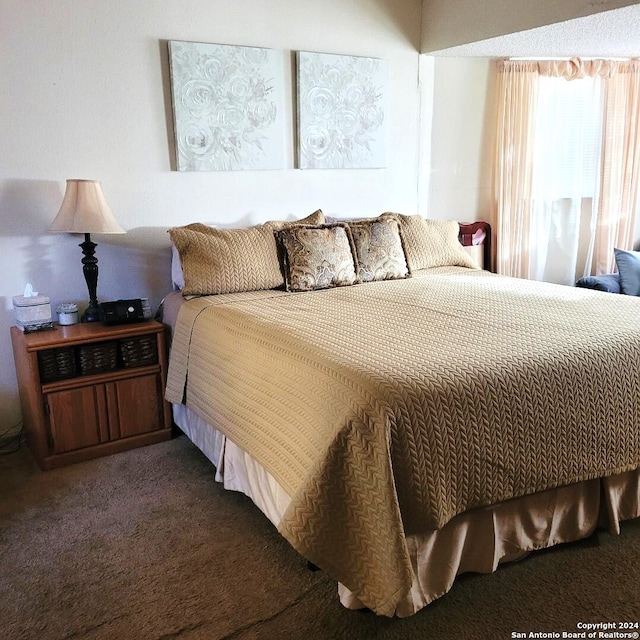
column 609, row 34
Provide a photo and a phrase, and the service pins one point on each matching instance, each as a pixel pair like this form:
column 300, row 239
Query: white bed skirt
column 476, row 541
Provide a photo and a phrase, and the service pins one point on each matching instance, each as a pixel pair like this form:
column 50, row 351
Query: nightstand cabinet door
column 74, row 418
column 135, row 406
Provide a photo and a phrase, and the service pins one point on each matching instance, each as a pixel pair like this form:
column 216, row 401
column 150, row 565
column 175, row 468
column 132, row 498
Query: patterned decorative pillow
column 431, row 243
column 231, row 260
column 379, row 249
column 317, row 257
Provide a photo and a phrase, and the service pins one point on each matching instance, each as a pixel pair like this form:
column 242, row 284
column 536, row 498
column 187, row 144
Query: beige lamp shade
column 84, row 210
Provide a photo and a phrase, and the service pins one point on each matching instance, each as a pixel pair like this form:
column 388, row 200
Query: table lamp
column 85, row 210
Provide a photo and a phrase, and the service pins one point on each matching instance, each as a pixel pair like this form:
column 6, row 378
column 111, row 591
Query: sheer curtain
column 517, row 97
column 567, row 166
column 620, row 175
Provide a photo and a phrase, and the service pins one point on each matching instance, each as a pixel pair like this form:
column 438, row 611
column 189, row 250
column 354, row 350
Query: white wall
column 85, row 94
column 463, row 111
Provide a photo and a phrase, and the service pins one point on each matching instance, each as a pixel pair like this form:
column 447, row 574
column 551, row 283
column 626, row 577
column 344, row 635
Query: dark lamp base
column 92, row 314
column 90, row 270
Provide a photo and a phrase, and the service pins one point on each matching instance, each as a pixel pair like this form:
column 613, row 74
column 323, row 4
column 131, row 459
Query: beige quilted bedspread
column 385, row 409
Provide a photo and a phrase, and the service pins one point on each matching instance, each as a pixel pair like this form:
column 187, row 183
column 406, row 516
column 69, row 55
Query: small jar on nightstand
column 67, row 313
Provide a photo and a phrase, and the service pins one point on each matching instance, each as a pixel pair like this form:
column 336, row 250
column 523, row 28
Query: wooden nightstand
column 89, row 390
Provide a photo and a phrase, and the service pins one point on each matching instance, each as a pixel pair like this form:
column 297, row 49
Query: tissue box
column 32, row 312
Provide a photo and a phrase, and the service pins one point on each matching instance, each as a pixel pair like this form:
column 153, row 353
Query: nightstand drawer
column 57, row 364
column 138, row 351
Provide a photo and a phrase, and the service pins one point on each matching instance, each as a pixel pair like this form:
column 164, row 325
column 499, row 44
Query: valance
column 571, row 69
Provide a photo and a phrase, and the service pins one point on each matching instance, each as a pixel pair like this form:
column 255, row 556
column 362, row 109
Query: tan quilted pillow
column 315, row 218
column 318, row 257
column 432, row 243
column 231, row 260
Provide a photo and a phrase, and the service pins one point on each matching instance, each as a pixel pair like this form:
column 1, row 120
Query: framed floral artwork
column 342, row 111
column 227, row 107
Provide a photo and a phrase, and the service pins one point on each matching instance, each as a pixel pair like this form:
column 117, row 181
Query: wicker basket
column 57, row 364
column 97, row 358
column 138, row 351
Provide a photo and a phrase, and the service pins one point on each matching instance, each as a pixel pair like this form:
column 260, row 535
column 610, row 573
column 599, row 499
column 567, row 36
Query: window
column 567, row 166
column 567, row 135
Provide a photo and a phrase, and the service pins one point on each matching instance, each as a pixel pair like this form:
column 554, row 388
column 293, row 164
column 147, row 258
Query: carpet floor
column 146, row 545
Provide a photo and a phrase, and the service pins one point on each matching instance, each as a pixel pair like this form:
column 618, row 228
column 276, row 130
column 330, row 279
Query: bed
column 401, row 415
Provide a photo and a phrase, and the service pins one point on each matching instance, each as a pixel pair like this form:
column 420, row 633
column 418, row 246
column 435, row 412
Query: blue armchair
column 626, row 281
column 609, row 282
